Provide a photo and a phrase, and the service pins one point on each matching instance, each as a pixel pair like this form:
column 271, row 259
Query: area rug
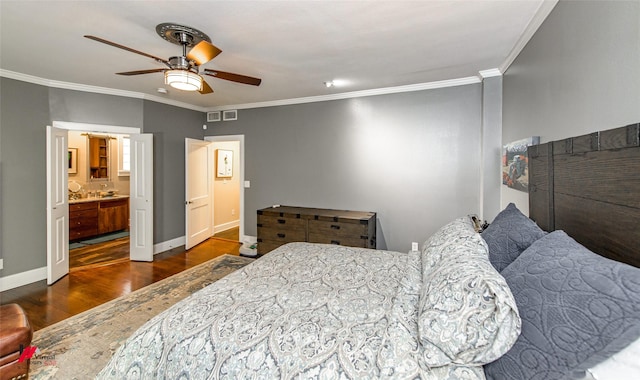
column 99, row 239
column 80, row 346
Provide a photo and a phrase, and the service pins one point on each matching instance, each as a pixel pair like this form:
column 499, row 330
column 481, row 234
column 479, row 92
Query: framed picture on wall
column 224, row 167
column 72, row 158
column 515, row 163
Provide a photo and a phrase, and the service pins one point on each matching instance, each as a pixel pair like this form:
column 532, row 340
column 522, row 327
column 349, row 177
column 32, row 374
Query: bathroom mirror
column 98, row 157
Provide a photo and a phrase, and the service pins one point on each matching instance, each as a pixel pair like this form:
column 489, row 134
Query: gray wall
column 414, row 158
column 170, row 125
column 580, row 73
column 26, row 110
column 24, row 115
column 87, row 107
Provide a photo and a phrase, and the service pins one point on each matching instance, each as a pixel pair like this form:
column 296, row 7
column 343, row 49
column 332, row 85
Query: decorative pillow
column 510, row 233
column 577, row 309
column 467, row 314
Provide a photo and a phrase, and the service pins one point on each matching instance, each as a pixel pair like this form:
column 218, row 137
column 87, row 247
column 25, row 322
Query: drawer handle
column 281, row 235
column 335, row 227
column 282, row 221
column 336, row 242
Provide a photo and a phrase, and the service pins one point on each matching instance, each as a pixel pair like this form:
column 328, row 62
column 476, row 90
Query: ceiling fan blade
column 138, row 72
column 233, row 77
column 203, row 52
column 206, row 89
column 128, row 49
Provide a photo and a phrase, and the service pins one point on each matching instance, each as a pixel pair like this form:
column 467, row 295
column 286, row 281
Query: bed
column 515, row 301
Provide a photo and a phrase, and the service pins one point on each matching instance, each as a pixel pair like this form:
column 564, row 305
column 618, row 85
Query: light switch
column 247, row 184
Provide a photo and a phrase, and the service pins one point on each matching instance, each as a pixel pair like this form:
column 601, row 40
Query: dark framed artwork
column 72, row 158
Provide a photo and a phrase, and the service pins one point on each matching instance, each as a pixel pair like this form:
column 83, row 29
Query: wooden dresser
column 286, row 224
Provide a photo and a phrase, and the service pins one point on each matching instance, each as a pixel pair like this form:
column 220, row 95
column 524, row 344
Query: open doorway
column 99, row 186
column 228, row 191
column 60, row 161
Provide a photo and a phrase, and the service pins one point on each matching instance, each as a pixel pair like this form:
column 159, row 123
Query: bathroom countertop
column 83, row 200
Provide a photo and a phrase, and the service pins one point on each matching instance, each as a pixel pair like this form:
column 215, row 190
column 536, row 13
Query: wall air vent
column 213, row 116
column 230, row 115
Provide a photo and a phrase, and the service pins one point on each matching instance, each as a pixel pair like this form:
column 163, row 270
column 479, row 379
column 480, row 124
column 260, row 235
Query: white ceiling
column 294, row 46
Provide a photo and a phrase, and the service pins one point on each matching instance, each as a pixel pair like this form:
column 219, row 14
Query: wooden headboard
column 589, row 186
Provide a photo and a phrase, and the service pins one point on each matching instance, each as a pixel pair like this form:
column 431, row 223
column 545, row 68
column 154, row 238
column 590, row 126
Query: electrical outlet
column 233, row 211
column 414, row 246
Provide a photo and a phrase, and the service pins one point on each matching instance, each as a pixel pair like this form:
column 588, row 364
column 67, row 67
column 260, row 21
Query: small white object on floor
column 249, row 249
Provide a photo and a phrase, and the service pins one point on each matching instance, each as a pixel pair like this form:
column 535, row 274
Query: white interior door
column 141, row 198
column 198, row 204
column 57, row 204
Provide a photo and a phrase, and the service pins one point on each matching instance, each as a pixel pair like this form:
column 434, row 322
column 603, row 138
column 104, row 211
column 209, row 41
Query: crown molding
column 489, row 73
column 353, row 94
column 95, row 89
column 310, row 99
column 538, row 18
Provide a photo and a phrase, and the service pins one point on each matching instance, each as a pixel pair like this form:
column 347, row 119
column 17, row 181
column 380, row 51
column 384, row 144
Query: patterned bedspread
column 302, row 311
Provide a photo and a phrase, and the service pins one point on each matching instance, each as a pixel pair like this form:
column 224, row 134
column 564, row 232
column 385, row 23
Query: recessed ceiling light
column 340, row 82
column 337, row 83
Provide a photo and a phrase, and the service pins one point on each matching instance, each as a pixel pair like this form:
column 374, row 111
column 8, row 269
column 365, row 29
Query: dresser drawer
column 75, row 234
column 83, row 222
column 82, row 227
column 82, row 214
column 281, row 222
column 83, row 206
column 281, row 235
column 349, row 241
column 337, row 228
column 265, row 246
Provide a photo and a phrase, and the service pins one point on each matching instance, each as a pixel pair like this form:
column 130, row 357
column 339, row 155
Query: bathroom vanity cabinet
column 95, row 217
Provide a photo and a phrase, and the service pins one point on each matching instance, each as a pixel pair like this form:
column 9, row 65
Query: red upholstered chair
column 15, row 337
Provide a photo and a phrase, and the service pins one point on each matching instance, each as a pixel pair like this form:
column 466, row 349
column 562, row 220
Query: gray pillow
column 510, row 233
column 577, row 309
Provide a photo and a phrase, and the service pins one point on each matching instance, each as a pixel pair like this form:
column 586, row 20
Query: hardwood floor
column 109, row 251
column 93, row 285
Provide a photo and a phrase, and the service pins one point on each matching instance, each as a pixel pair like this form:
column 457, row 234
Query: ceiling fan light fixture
column 183, row 80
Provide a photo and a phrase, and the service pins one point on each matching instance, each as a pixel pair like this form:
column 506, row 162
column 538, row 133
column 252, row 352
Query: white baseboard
column 35, row 275
column 226, row 226
column 169, row 244
column 22, row 278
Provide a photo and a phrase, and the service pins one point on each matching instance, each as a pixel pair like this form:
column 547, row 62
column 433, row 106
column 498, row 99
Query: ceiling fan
column 183, row 71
